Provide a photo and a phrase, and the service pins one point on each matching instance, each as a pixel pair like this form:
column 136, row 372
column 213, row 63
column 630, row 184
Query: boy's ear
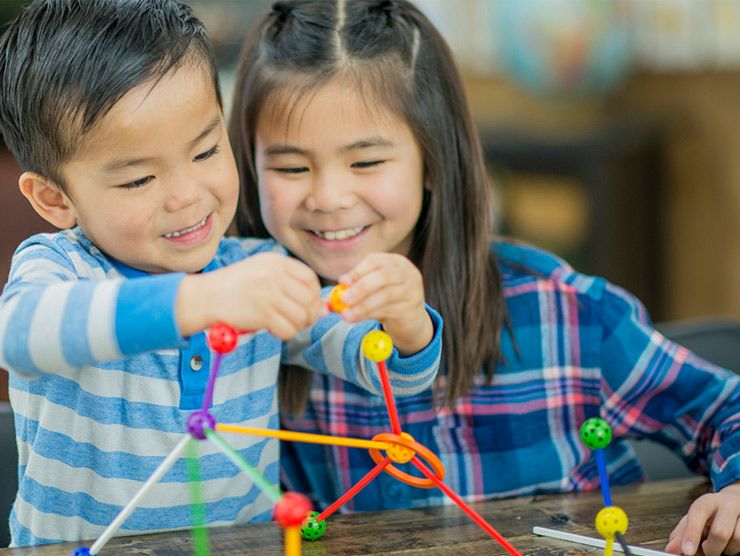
column 48, row 200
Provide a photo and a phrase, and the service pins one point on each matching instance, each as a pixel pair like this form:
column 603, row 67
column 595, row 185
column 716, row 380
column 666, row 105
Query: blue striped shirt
column 102, row 384
column 585, row 349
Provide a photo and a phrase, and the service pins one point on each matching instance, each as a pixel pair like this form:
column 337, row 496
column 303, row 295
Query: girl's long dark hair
column 390, row 52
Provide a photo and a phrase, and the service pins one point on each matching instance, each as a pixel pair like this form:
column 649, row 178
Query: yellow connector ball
column 610, row 521
column 377, row 345
column 336, row 305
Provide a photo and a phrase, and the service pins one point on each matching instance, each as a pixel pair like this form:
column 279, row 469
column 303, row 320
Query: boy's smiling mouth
column 334, row 235
column 188, row 231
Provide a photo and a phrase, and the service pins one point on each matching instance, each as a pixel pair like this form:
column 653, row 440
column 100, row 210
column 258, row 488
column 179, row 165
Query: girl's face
column 338, row 180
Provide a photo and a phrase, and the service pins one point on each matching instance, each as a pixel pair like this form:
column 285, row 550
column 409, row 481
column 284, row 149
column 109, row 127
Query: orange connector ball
column 336, row 305
column 399, row 453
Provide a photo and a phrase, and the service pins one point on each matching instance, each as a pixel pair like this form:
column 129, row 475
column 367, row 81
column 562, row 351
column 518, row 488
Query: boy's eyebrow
column 118, row 164
column 361, row 144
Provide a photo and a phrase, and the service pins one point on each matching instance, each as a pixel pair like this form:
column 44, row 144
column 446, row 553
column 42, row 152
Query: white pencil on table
column 598, row 543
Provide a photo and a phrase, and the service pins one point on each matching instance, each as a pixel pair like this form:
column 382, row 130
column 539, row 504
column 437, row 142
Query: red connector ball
column 222, row 338
column 291, row 510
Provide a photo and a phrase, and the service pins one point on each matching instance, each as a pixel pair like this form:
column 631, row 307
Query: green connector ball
column 313, row 530
column 595, row 433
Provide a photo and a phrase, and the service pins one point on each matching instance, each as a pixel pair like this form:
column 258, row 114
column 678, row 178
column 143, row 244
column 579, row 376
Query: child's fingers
column 368, row 264
column 698, row 516
column 286, row 316
column 390, row 264
column 301, row 272
column 378, row 305
column 397, row 283
column 733, row 547
column 301, row 305
column 302, row 295
column 675, row 538
column 281, row 327
column 721, row 531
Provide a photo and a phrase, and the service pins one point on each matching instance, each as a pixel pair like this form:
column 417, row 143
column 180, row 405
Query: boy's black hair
column 395, row 58
column 65, row 63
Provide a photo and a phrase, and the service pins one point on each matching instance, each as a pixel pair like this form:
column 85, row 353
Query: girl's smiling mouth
column 334, row 235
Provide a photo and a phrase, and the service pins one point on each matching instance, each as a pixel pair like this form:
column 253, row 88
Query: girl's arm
column 655, row 388
column 333, row 346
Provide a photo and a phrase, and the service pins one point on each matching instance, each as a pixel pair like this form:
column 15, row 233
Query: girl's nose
column 329, row 192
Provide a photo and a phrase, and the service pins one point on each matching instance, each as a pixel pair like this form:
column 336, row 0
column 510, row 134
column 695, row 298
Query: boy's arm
column 333, row 346
column 55, row 320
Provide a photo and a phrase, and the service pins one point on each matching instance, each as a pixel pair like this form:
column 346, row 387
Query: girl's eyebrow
column 366, row 143
column 361, row 144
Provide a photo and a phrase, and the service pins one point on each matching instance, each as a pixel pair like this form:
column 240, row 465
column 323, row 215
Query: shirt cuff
column 424, row 359
column 145, row 314
column 727, row 470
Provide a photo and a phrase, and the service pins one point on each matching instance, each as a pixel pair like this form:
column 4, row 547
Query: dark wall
column 17, row 221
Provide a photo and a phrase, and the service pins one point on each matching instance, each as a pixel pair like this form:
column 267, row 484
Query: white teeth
column 186, row 230
column 339, row 234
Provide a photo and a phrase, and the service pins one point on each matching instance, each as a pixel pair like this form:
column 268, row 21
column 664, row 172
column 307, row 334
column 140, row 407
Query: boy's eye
column 367, row 163
column 291, row 169
column 137, row 183
column 207, row 154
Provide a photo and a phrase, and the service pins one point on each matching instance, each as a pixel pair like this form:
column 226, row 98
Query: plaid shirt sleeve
column 657, row 389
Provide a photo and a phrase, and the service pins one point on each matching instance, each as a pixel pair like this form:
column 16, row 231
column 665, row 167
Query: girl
column 353, row 137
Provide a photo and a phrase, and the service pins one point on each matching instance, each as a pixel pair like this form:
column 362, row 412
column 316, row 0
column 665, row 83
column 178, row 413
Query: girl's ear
column 48, row 200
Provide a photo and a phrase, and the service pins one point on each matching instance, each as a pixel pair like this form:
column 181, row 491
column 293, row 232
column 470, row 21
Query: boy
column 113, row 111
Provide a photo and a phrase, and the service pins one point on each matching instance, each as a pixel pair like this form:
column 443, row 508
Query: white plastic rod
column 598, row 543
column 168, row 462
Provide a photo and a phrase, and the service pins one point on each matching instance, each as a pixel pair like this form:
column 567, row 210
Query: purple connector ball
column 198, row 422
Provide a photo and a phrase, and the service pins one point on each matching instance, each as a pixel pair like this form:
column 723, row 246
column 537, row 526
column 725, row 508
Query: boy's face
column 155, row 184
column 338, row 181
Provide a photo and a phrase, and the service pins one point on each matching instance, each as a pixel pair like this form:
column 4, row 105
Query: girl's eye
column 291, row 170
column 368, row 163
column 141, row 182
column 207, row 154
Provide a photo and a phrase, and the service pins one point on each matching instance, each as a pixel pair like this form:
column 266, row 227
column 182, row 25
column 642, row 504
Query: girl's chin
column 330, row 275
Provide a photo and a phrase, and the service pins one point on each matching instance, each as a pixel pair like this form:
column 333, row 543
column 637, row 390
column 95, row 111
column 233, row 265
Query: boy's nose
column 182, row 194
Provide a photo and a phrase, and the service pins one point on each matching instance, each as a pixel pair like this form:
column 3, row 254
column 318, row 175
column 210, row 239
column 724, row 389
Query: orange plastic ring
column 421, row 450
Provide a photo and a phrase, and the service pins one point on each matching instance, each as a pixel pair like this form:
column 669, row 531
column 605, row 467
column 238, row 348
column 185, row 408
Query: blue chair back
column 8, row 470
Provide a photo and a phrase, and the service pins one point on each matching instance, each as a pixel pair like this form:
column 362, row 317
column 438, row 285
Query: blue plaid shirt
column 586, row 348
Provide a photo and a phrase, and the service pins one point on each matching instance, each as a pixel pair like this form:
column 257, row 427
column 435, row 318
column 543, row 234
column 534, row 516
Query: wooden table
column 653, row 510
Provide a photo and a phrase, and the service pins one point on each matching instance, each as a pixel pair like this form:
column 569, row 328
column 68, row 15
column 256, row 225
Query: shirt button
column 196, row 362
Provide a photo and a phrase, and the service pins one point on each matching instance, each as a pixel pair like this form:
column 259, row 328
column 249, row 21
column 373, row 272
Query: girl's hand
column 388, row 288
column 714, row 517
column 267, row 291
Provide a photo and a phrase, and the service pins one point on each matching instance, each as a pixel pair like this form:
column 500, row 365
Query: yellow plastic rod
column 306, row 437
column 609, row 548
column 293, row 541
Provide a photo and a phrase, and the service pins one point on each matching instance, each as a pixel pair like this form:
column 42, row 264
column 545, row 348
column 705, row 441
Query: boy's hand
column 714, row 517
column 267, row 291
column 388, row 288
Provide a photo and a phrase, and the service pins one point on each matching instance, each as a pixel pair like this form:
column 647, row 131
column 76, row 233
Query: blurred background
column 611, row 130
